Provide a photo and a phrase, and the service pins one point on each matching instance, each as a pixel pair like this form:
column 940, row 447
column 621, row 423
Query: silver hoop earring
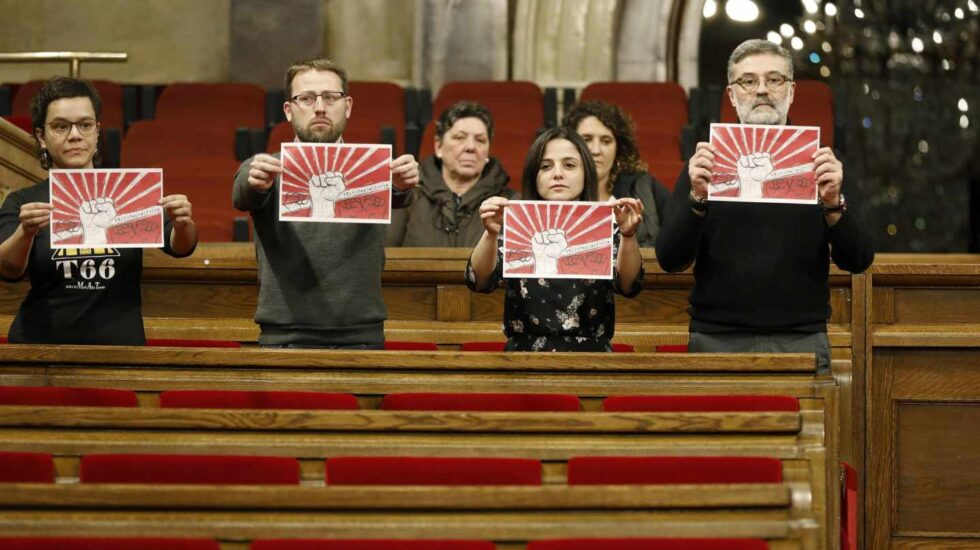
column 45, row 157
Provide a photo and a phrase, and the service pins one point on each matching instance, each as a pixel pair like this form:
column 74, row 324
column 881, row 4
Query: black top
column 77, row 296
column 759, row 266
column 558, row 314
column 653, row 195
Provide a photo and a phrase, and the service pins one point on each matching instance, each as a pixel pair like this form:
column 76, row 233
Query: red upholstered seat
column 242, row 103
column 400, row 470
column 672, row 348
column 482, row 346
column 281, row 133
column 648, row 544
column 680, row 403
column 480, row 402
column 395, row 345
column 513, row 104
column 376, row 105
column 110, row 92
column 26, row 468
column 151, row 143
column 45, row 396
column 194, row 469
column 813, row 105
column 106, row 543
column 666, row 171
column 365, row 544
column 189, row 343
column 227, row 399
column 668, row 470
column 206, row 183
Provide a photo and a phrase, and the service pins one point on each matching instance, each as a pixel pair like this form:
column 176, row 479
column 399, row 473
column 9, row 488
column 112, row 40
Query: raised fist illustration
column 96, row 216
column 325, row 189
column 753, row 169
column 547, row 246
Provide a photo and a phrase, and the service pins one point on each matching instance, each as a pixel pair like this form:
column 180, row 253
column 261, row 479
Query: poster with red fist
column 558, row 240
column 116, row 208
column 764, row 163
column 335, row 183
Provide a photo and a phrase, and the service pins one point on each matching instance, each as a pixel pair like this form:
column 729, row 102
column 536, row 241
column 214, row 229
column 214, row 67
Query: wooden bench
column 507, row 515
column 807, row 453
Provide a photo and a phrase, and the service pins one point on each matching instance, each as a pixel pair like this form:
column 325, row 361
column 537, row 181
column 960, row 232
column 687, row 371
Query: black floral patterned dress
column 558, row 314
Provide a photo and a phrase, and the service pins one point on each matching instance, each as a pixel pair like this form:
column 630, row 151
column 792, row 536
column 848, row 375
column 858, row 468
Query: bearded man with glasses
column 319, row 283
column 761, row 269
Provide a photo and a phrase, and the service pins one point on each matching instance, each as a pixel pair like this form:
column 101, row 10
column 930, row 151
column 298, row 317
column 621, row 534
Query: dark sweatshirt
column 319, row 283
column 757, row 266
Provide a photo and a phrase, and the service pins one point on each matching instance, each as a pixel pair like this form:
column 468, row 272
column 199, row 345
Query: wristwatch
column 699, row 204
column 839, row 207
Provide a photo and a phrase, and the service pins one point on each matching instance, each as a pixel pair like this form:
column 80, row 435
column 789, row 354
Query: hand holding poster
column 118, row 208
column 335, row 182
column 764, row 163
column 558, row 239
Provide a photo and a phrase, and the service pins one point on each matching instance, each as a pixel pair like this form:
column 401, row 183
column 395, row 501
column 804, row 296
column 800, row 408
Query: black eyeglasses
column 308, row 99
column 62, row 128
column 773, row 82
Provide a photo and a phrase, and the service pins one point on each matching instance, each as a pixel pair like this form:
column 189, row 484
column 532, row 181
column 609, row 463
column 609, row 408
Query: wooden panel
column 19, row 167
column 938, row 458
column 453, row 303
column 921, row 416
column 936, row 305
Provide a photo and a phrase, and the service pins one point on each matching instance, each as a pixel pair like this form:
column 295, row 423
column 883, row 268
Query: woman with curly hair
column 608, row 131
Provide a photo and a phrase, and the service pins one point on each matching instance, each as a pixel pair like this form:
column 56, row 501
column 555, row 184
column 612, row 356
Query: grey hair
column 757, row 46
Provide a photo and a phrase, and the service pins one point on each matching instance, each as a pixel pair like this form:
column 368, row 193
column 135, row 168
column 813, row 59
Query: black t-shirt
column 77, row 296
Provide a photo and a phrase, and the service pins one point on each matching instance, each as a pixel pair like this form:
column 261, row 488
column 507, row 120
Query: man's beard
column 329, row 135
column 776, row 114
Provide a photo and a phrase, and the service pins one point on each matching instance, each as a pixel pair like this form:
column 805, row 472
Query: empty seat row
column 225, row 399
column 24, row 467
column 144, row 543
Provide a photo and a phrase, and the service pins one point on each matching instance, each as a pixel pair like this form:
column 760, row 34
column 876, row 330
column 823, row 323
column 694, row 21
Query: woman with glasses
column 443, row 208
column 608, row 131
column 78, row 296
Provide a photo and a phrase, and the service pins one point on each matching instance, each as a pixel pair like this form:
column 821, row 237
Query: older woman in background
column 608, row 131
column 444, row 208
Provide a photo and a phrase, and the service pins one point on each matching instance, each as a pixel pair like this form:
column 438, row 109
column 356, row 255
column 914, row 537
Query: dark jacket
column 758, row 266
column 653, row 195
column 437, row 217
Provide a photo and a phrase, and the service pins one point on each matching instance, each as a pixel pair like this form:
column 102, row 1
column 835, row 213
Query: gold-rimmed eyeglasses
column 773, row 82
column 62, row 128
column 308, row 99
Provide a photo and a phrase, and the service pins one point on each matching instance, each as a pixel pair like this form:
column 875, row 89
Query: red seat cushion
column 648, row 544
column 394, row 345
column 189, row 343
column 26, row 468
column 21, row 121
column 204, row 469
column 672, row 348
column 364, row 544
column 681, row 403
column 668, row 470
column 482, row 346
column 480, row 402
column 432, row 471
column 98, row 543
column 44, row 396
column 242, row 103
column 622, row 348
column 229, row 399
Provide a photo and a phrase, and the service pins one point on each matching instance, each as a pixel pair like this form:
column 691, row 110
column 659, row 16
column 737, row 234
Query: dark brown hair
column 532, row 165
column 314, row 64
column 62, row 87
column 460, row 110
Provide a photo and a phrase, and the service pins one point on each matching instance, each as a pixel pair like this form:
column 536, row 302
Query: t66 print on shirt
column 340, row 183
column 557, row 239
column 86, row 268
column 762, row 163
column 118, row 208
